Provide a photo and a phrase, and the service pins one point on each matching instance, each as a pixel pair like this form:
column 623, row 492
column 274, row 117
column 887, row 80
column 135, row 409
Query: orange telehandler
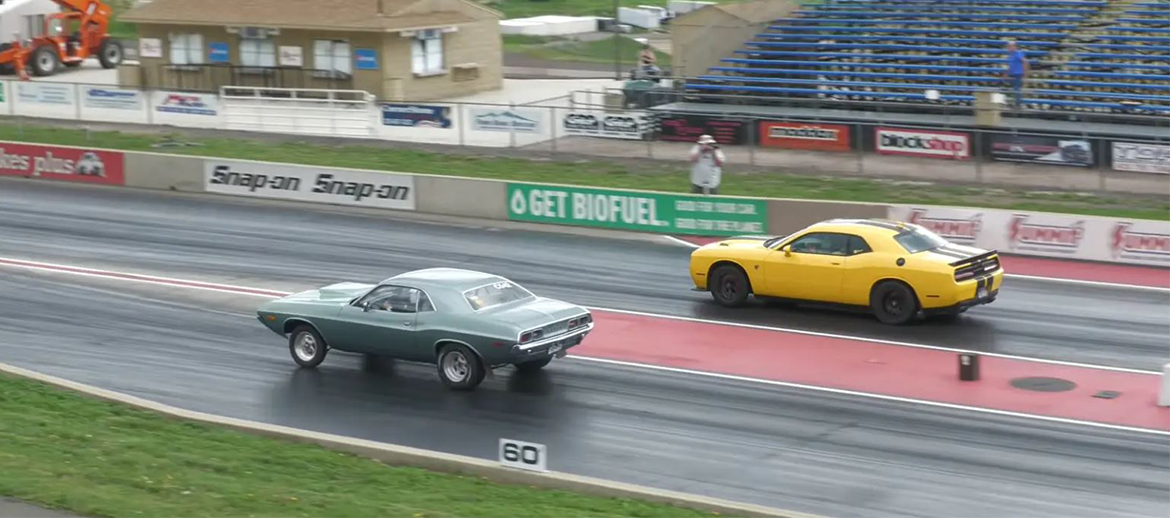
column 47, row 53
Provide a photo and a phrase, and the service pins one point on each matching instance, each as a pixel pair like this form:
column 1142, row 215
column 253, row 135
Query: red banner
column 805, row 135
column 60, row 163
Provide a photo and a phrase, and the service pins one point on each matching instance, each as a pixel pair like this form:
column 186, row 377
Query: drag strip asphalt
column 822, row 453
column 285, row 246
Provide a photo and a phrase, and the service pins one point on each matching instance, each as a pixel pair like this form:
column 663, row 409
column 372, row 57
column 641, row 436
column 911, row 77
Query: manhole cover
column 1043, row 384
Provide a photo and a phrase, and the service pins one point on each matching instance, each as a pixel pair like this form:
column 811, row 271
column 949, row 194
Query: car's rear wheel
column 307, row 347
column 729, row 286
column 459, row 368
column 893, row 303
column 533, row 366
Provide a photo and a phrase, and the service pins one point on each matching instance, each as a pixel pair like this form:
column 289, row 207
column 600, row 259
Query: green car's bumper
column 551, row 346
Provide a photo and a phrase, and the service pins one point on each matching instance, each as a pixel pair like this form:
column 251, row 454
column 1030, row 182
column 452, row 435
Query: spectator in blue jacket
column 1017, row 70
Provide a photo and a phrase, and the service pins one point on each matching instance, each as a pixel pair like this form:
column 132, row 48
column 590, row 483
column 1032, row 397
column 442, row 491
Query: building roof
column 349, row 15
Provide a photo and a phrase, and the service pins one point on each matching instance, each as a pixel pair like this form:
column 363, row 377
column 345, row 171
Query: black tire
column 44, row 61
column 459, row 368
column 533, row 366
column 729, row 286
column 111, row 53
column 306, row 346
column 893, row 303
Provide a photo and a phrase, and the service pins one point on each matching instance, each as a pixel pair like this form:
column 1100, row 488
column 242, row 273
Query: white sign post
column 1164, row 391
column 523, row 455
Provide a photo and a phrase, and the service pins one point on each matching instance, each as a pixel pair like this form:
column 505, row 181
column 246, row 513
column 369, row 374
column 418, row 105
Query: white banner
column 923, row 143
column 1141, row 158
column 44, row 93
column 111, row 98
column 596, row 124
column 1087, row 238
column 499, row 118
column 311, row 184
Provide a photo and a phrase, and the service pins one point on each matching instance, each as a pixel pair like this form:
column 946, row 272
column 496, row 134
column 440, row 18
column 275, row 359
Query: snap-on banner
column 309, row 183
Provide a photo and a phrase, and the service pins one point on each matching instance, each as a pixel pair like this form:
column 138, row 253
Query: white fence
column 298, row 110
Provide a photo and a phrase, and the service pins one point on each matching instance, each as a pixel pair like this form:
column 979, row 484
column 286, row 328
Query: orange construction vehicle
column 71, row 36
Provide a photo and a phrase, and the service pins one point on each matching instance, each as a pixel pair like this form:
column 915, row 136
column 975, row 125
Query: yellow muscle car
column 898, row 270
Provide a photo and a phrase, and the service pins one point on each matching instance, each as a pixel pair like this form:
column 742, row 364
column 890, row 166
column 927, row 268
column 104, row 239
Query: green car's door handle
column 407, row 324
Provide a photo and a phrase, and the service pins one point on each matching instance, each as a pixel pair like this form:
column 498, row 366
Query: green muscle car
column 463, row 321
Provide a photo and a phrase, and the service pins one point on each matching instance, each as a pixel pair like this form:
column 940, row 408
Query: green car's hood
column 533, row 313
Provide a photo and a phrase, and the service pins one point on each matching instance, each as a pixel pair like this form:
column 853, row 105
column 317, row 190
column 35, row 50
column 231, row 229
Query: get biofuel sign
column 636, row 211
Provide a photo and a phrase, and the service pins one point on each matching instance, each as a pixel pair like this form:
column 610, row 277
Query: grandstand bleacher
column 1101, row 57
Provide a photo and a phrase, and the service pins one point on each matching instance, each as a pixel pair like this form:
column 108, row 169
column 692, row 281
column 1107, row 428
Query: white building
column 24, row 17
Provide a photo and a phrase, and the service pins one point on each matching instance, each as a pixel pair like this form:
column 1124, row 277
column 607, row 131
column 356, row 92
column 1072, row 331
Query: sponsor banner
column 218, row 52
column 1141, row 158
column 150, row 48
column 59, row 163
column 636, row 211
column 518, row 120
column 416, row 116
column 111, row 98
column 365, row 59
column 805, row 135
column 188, row 103
column 596, row 124
column 1042, row 150
column 1087, row 238
column 311, row 184
column 688, row 128
column 44, row 93
column 291, row 56
column 923, row 143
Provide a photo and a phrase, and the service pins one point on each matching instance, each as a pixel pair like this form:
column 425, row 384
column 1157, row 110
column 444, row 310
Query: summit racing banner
column 61, row 163
column 1069, row 236
column 311, row 184
column 1042, row 150
column 637, row 211
column 923, row 143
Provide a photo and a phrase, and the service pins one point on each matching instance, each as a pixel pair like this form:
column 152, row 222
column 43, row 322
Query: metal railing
column 212, row 77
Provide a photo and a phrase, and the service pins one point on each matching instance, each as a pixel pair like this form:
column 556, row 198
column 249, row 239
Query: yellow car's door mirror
column 787, row 251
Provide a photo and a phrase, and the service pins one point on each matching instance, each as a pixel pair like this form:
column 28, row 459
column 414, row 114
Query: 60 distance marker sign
column 636, row 211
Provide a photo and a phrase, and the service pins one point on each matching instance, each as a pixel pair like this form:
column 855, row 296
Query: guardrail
column 1030, row 233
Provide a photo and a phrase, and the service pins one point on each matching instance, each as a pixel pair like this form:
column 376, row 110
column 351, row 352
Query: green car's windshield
column 495, row 294
column 918, row 240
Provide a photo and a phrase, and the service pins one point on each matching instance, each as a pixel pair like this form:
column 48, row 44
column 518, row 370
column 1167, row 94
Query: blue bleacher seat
column 939, row 68
column 850, row 55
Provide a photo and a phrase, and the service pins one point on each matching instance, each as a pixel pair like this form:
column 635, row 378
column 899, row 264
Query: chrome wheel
column 456, row 367
column 45, row 62
column 305, row 347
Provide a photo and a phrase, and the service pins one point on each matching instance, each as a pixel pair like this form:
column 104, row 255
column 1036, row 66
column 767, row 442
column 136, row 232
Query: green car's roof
column 456, row 279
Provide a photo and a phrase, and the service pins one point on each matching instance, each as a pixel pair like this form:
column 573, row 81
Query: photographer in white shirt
column 706, row 166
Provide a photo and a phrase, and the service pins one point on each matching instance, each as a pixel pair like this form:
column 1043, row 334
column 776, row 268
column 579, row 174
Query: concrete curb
column 432, row 460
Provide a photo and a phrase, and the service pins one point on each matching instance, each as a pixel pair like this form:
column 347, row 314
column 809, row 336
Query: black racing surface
column 298, row 247
column 803, row 450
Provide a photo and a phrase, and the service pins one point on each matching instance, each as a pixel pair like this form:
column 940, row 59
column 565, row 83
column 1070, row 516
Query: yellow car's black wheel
column 893, row 302
column 729, row 286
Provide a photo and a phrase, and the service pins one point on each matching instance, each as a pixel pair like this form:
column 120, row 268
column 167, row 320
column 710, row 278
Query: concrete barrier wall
column 165, row 172
column 474, row 198
column 787, row 216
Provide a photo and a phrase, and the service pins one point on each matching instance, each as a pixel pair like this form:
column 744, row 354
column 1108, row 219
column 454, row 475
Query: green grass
column 649, row 175
column 597, row 51
column 63, row 450
column 526, row 8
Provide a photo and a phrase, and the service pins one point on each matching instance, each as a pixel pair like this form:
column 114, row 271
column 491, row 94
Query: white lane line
column 261, row 292
column 244, row 290
column 1016, row 275
column 871, row 395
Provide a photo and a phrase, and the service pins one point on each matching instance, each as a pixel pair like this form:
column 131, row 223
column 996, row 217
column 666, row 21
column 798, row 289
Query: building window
column 332, row 56
column 427, row 52
column 257, row 52
column 186, row 49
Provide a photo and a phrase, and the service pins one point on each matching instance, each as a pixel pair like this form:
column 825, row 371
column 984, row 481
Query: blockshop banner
column 61, row 163
column 637, row 211
column 1088, row 238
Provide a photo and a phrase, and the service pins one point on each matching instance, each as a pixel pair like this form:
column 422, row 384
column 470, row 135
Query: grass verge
column 628, row 174
column 566, row 50
column 68, row 451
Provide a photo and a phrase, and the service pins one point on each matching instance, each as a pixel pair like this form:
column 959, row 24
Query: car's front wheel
column 459, row 368
column 729, row 286
column 893, row 303
column 533, row 366
column 307, row 347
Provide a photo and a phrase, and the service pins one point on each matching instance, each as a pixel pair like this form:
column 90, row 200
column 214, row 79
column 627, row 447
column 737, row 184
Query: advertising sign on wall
column 1070, row 236
column 416, row 116
column 597, row 124
column 188, row 103
column 636, row 211
column 111, row 98
column 1141, row 158
column 311, row 184
column 805, row 135
column 292, row 56
column 518, row 120
column 149, row 47
column 922, row 143
column 44, row 93
column 59, row 163
column 365, row 59
column 218, row 52
column 688, row 129
column 1042, row 150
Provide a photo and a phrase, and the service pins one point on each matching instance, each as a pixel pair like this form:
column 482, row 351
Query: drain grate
column 1044, row 384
